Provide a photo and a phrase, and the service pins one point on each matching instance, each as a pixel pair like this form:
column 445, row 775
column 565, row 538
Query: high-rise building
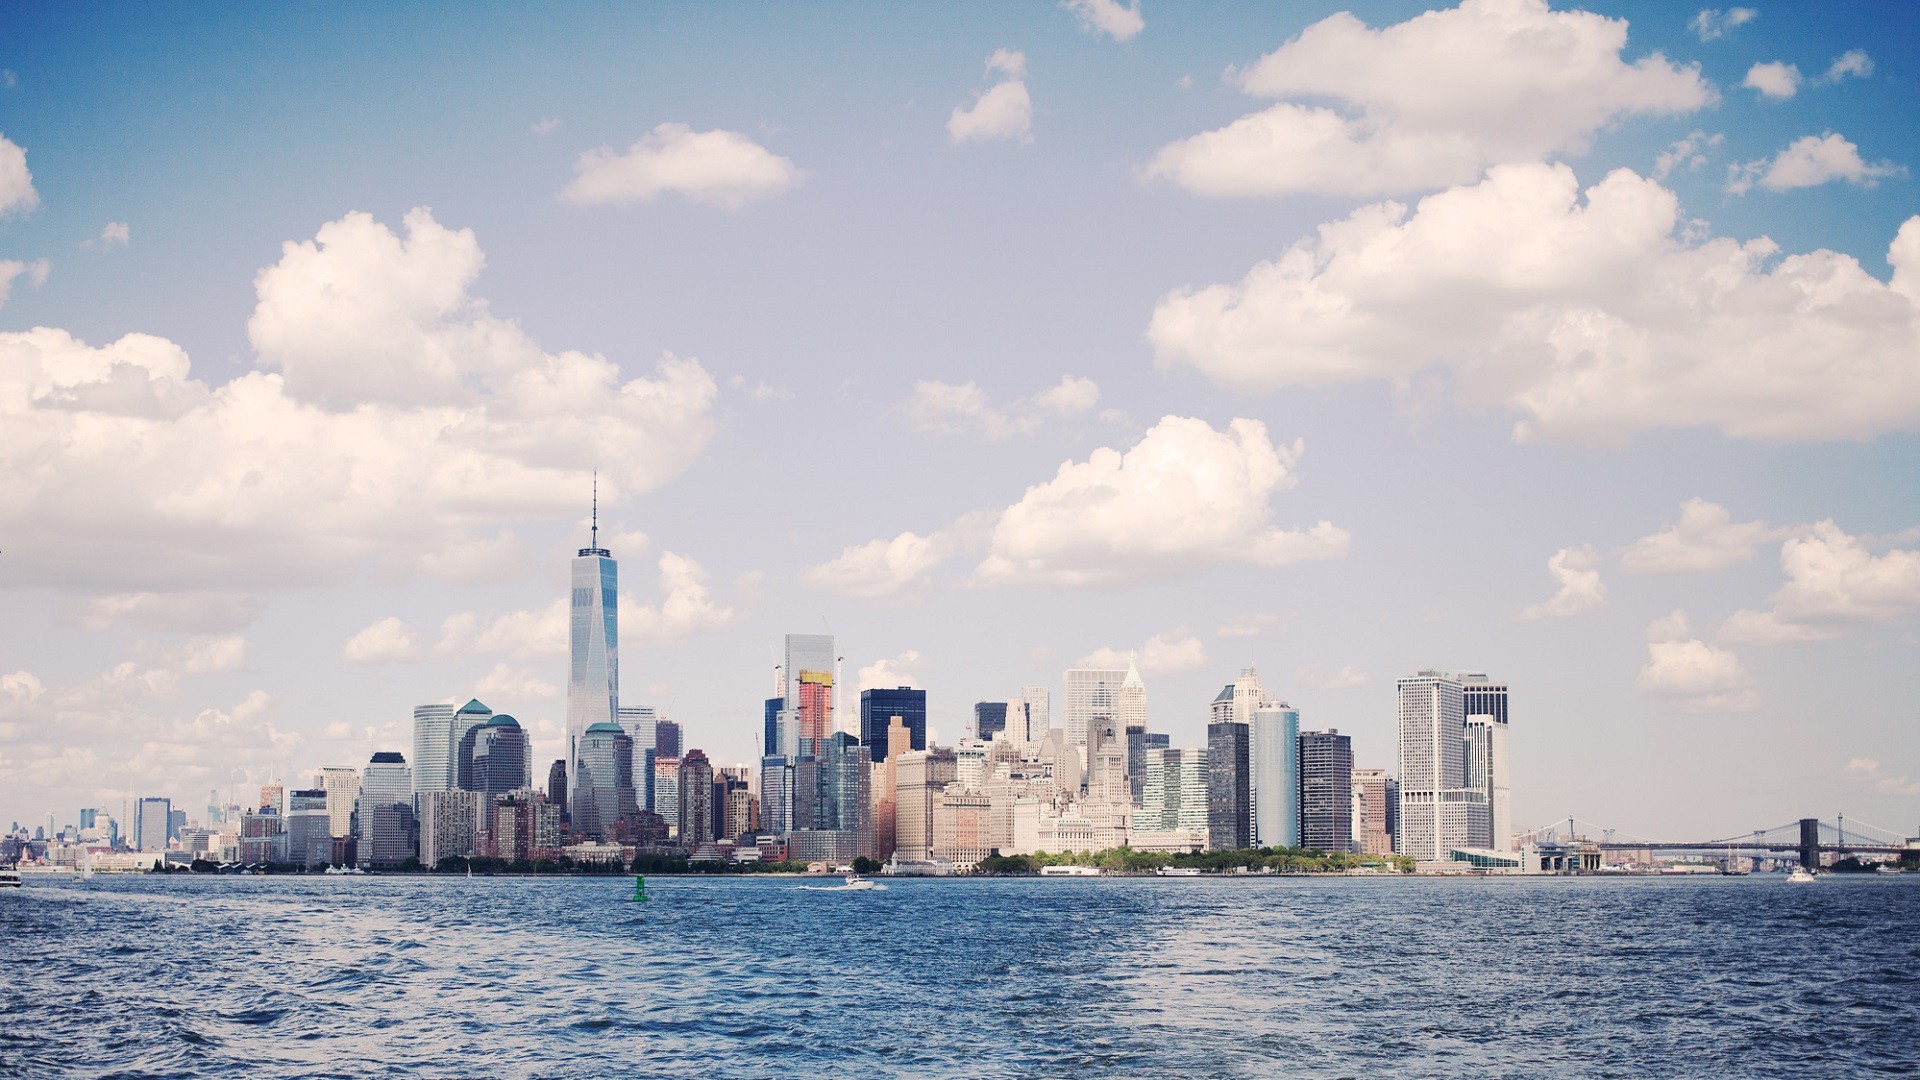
column 1326, row 790
column 989, row 719
column 696, row 800
column 1371, row 833
column 1438, row 813
column 921, row 777
column 386, row 825
column 308, row 839
column 494, row 760
column 643, row 727
column 1274, row 748
column 435, row 747
column 880, row 705
column 1107, row 782
column 151, row 819
column 1137, row 761
column 557, row 786
column 666, row 792
column 1229, row 824
column 814, row 712
column 447, row 825
column 770, row 726
column 593, row 672
column 524, row 826
column 604, row 801
column 263, row 836
column 835, row 823
column 1489, row 772
column 1091, row 692
column 1174, row 794
column 666, row 740
column 273, row 797
column 1038, row 700
column 1130, row 704
column 342, row 785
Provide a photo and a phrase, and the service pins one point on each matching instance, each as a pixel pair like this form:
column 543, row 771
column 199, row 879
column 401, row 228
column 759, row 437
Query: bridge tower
column 1810, row 843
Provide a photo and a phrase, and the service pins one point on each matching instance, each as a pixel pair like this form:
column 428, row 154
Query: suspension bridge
column 1808, row 840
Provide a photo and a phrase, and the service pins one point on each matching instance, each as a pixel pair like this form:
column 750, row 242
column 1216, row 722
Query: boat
column 1885, row 869
column 9, row 879
column 1178, row 871
column 855, row 881
column 1801, row 876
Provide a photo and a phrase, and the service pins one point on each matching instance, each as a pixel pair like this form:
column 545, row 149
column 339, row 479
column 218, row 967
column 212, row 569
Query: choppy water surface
column 149, row 976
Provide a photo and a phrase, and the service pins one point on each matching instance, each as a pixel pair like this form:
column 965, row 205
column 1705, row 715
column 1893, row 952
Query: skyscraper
column 150, row 822
column 1038, row 700
column 386, row 825
column 1488, row 766
column 1326, row 791
column 696, row 800
column 921, row 777
column 989, row 719
column 804, row 652
column 557, row 784
column 1174, row 793
column 308, row 836
column 666, row 740
column 1229, row 827
column 604, row 802
column 1130, row 704
column 1274, row 749
column 880, row 705
column 1438, row 812
column 1372, row 835
column 666, row 791
column 447, row 825
column 342, row 785
column 814, row 711
column 434, row 748
column 643, row 727
column 494, row 760
column 1107, row 781
column 593, row 673
column 1091, row 692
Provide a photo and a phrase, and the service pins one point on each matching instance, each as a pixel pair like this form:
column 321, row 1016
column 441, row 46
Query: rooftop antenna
column 596, row 508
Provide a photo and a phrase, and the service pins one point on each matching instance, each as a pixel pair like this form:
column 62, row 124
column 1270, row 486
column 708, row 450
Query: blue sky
column 836, row 312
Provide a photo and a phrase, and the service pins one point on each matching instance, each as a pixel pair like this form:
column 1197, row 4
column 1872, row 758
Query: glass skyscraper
column 880, row 705
column 1326, row 791
column 593, row 673
column 1274, row 746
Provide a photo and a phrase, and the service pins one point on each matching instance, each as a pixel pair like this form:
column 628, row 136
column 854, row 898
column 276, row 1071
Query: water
column 176, row 977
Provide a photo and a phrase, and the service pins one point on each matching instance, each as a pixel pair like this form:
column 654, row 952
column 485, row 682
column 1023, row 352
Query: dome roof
column 606, row 725
column 503, row 720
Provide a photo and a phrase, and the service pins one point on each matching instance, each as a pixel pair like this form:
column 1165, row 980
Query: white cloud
column 198, row 610
column 1711, row 680
column 523, row 634
column 207, row 655
column 1834, row 584
column 1688, row 153
column 1712, row 23
column 36, row 273
column 719, row 168
column 958, row 409
column 1577, row 570
column 16, row 182
column 387, row 641
column 1346, row 678
column 1109, row 17
column 901, row 670
column 686, row 609
column 546, row 125
column 514, row 684
column 397, row 424
column 1164, row 654
column 1001, row 111
column 1773, row 79
column 1854, row 62
column 116, row 234
column 1868, row 770
column 757, row 391
column 1183, row 499
column 1809, row 162
column 1590, row 321
column 899, row 568
column 1429, row 102
column 1705, row 538
column 1250, row 624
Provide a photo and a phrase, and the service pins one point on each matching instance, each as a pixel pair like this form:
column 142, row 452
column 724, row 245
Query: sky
column 1577, row 346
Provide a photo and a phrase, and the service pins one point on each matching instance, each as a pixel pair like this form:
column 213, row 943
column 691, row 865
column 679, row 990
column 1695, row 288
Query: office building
column 435, row 748
column 1174, row 791
column 989, row 719
column 643, row 727
column 666, row 793
column 1438, row 813
column 593, row 671
column 1091, row 692
column 770, row 726
column 879, row 706
column 1489, row 773
column 1229, row 824
column 666, row 740
column 151, row 819
column 342, row 785
column 1326, row 791
column 1274, row 774
column 921, row 777
column 308, row 839
column 524, row 826
column 448, row 826
column 814, row 712
column 273, row 797
column 386, row 825
column 1372, row 833
column 1038, row 700
column 494, row 760
column 557, row 787
column 263, row 836
column 696, row 800
column 1107, row 780
column 604, row 800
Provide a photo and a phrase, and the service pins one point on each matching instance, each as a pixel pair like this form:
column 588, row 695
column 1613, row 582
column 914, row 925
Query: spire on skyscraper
column 593, row 546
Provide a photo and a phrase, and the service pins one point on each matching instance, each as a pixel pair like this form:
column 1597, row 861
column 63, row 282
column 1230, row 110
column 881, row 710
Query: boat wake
column 871, row 887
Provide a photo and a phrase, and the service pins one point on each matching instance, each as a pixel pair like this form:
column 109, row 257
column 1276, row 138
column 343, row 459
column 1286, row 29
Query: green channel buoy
column 639, row 889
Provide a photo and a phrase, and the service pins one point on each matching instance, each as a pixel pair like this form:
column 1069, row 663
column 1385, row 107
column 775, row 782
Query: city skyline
column 354, row 353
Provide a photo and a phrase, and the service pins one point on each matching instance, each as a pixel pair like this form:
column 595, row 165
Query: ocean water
column 394, row 976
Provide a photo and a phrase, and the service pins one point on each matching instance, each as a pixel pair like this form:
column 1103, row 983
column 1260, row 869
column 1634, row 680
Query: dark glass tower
column 1326, row 791
column 989, row 718
column 1229, row 823
column 880, row 705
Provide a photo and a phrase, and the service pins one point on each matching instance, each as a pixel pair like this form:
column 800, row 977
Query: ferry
column 1178, row 871
column 9, row 879
column 1069, row 871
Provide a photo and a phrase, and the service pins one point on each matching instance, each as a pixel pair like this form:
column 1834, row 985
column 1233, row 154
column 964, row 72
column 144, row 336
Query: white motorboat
column 1801, row 876
column 855, row 881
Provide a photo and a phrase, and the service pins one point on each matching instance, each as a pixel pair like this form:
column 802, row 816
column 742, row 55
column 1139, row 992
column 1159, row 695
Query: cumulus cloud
column 1183, row 499
column 1689, row 153
column 387, row 641
column 1773, row 79
column 191, row 610
column 1346, row 678
column 1577, row 570
column 901, row 670
column 1868, row 770
column 1834, row 584
column 1001, row 111
column 1809, row 162
column 1110, row 17
column 1426, row 103
column 1164, row 654
column 116, row 234
column 1590, row 320
column 719, row 168
column 963, row 409
column 394, row 422
column 686, row 609
column 1854, row 62
column 1709, row 679
column 900, row 568
column 546, row 125
column 522, row 634
column 1712, row 23
column 1705, row 538
column 514, row 684
column 36, row 273
column 16, row 182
